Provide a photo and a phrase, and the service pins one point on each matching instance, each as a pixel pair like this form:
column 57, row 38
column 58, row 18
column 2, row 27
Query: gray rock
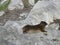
column 49, row 12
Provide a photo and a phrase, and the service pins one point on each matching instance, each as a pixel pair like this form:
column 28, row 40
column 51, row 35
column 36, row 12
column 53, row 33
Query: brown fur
column 35, row 28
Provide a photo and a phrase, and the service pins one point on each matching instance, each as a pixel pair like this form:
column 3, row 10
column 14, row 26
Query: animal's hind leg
column 25, row 31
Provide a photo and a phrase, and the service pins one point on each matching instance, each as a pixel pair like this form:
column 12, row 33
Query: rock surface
column 15, row 4
column 49, row 12
column 13, row 21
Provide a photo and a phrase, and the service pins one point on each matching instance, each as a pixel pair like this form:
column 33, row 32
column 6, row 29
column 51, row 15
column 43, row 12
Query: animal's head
column 42, row 23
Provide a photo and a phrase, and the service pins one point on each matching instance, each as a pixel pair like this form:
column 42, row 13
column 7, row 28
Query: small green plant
column 26, row 3
column 4, row 5
column 36, row 1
